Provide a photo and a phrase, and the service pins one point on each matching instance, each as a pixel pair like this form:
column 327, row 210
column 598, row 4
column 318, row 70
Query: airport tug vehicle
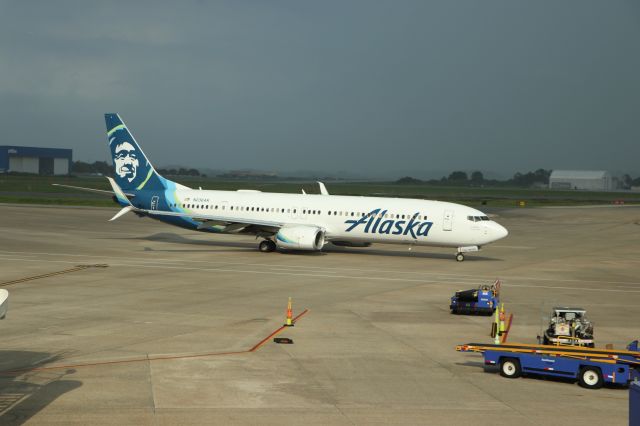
column 591, row 367
column 568, row 326
column 481, row 300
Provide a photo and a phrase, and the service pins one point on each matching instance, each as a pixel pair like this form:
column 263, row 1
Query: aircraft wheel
column 267, row 246
column 459, row 257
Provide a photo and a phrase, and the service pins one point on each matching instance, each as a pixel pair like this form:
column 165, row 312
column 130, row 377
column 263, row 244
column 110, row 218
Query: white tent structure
column 586, row 180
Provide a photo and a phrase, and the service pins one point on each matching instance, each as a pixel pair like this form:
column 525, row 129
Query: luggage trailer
column 483, row 300
column 592, row 367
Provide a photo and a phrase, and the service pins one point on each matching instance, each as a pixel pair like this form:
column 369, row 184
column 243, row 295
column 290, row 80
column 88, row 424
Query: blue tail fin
column 133, row 171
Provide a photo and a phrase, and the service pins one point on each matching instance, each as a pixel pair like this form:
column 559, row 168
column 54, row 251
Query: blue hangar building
column 41, row 161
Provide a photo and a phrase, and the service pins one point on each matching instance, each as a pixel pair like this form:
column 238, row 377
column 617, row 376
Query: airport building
column 586, row 180
column 41, row 161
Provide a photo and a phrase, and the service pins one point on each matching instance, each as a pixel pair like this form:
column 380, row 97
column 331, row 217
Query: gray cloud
column 378, row 88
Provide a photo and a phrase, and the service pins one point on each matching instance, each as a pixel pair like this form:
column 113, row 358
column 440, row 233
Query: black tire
column 267, row 246
column 590, row 378
column 510, row 368
column 459, row 257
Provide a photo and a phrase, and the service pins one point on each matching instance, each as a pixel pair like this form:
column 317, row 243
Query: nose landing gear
column 466, row 249
column 267, row 246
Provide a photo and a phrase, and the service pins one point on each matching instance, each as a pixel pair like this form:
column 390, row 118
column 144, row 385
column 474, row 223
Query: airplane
column 4, row 303
column 290, row 221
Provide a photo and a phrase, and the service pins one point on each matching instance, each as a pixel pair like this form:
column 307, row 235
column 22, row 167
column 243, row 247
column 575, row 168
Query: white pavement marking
column 325, row 268
column 316, row 275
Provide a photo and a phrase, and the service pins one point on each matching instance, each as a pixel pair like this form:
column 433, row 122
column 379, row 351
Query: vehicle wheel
column 267, row 246
column 459, row 257
column 510, row 368
column 590, row 378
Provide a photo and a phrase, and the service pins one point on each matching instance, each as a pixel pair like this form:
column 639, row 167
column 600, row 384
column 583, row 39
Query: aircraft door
column 447, row 220
column 154, row 202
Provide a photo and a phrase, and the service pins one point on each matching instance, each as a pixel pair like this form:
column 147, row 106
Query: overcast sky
column 377, row 88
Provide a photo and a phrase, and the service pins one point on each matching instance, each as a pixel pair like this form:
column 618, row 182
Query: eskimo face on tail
column 126, row 161
column 132, row 169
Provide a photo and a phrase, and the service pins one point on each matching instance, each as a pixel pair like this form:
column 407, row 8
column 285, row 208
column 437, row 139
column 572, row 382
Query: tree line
column 538, row 177
column 106, row 169
column 476, row 178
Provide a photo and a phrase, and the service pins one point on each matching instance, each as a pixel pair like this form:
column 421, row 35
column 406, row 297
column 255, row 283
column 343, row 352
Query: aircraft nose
column 499, row 231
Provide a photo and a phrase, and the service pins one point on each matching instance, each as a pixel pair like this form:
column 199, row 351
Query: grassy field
column 39, row 190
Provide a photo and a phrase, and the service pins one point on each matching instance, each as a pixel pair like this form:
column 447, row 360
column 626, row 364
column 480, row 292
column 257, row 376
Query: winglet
column 323, row 189
column 122, row 199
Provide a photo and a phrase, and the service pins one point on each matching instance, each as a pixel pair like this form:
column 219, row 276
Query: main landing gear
column 267, row 246
column 459, row 257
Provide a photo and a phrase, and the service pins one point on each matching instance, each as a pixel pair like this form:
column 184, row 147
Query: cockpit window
column 477, row 218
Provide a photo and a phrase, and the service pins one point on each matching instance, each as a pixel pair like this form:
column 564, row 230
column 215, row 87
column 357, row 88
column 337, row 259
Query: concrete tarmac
column 376, row 347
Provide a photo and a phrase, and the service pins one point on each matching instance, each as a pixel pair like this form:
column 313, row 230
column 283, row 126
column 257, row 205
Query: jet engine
column 300, row 238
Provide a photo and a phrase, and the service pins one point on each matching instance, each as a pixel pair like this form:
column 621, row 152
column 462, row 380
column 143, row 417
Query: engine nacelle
column 300, row 238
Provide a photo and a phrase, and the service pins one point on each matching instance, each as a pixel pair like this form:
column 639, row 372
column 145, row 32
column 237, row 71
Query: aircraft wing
column 222, row 223
column 100, row 191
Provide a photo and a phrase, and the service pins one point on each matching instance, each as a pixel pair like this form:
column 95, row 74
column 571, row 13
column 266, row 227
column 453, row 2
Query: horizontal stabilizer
column 122, row 198
column 122, row 212
column 99, row 191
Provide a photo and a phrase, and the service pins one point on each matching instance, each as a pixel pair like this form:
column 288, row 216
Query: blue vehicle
column 591, row 367
column 481, row 300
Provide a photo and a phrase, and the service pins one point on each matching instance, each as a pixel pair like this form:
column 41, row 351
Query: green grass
column 106, row 202
column 39, row 190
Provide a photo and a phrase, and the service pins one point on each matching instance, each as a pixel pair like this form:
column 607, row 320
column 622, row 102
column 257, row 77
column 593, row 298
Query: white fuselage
column 347, row 218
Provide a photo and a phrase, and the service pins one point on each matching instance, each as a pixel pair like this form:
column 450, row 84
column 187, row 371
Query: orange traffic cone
column 289, row 322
